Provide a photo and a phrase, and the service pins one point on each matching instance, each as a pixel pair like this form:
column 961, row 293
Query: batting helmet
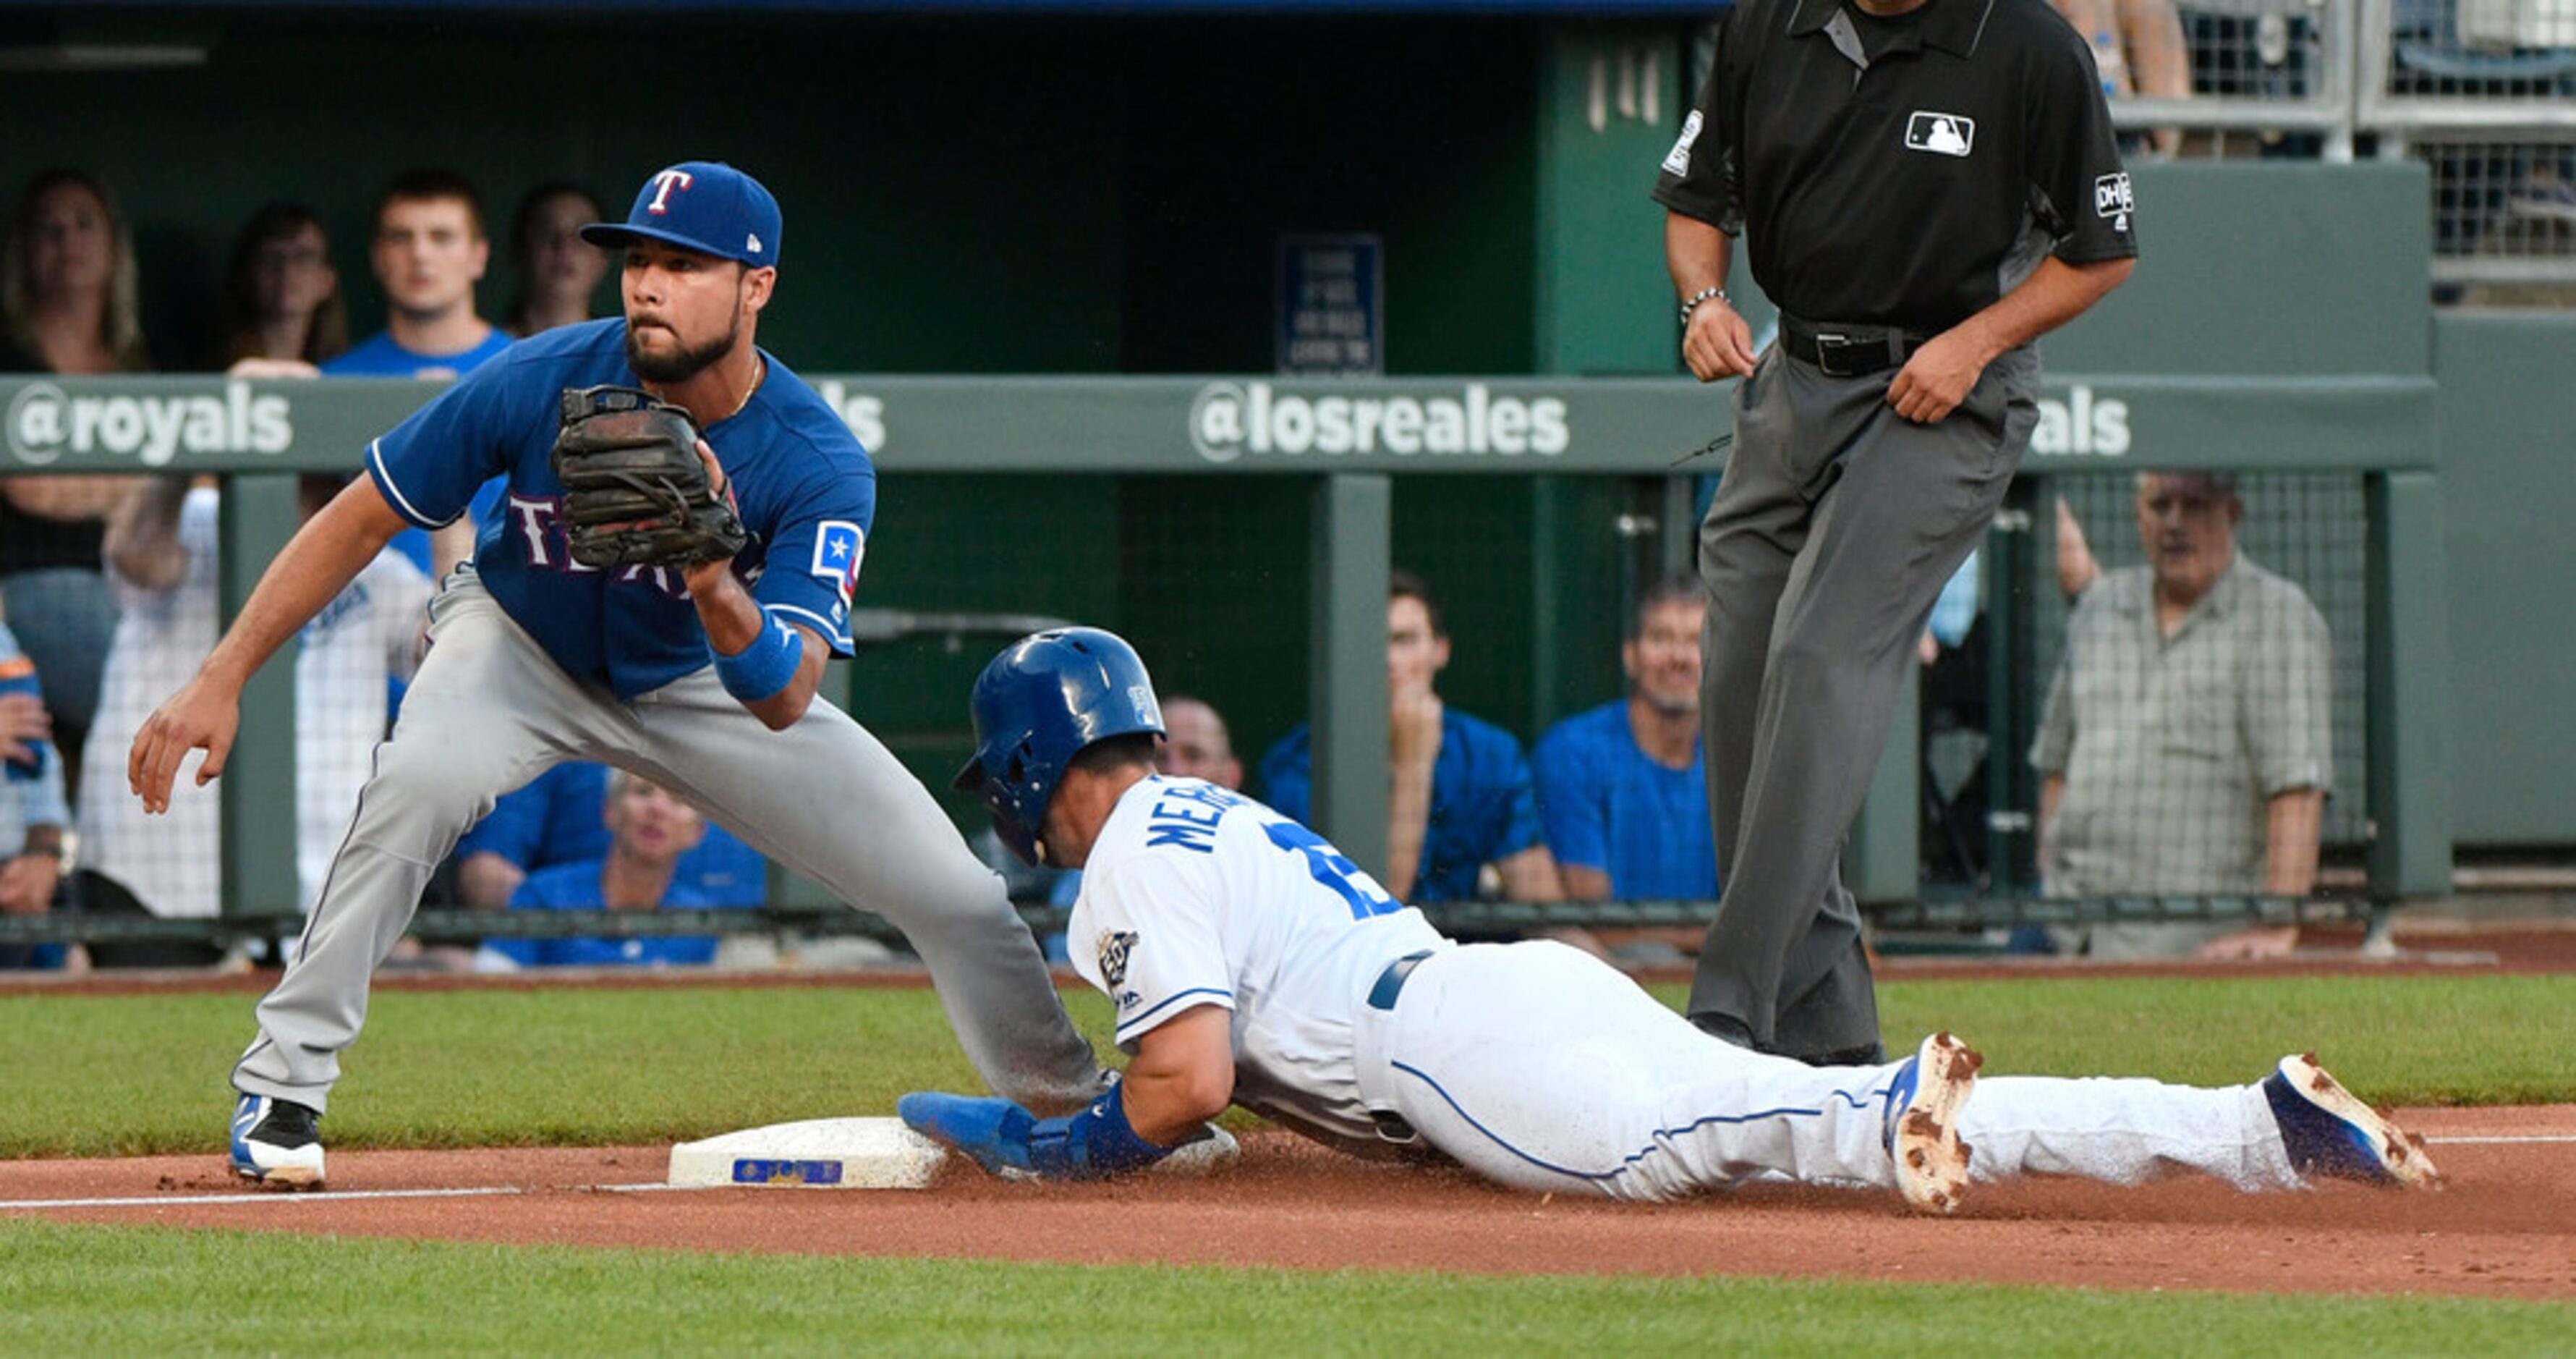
column 1036, row 706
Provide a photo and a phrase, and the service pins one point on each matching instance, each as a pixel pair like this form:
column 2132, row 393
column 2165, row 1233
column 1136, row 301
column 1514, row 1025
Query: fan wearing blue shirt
column 1622, row 788
column 558, row 818
column 648, row 832
column 1462, row 798
column 429, row 249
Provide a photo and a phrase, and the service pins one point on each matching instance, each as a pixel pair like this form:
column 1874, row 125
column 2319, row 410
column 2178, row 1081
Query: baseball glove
column 636, row 493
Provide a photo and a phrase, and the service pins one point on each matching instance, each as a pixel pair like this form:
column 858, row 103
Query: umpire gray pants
column 489, row 710
column 1832, row 532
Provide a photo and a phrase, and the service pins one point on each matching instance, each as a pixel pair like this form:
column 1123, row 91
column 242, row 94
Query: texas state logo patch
column 838, row 547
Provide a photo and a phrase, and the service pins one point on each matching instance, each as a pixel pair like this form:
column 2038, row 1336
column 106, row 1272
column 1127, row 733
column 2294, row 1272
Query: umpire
column 1925, row 187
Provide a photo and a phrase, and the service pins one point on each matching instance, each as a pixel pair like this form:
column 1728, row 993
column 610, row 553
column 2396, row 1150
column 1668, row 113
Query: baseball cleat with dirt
column 1923, row 1137
column 2329, row 1132
column 276, row 1143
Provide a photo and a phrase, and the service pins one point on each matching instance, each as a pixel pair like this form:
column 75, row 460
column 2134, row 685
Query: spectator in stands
column 161, row 552
column 1463, row 799
column 283, row 315
column 648, row 829
column 1621, row 788
column 429, row 250
column 68, row 295
column 558, row 271
column 33, row 812
column 2185, row 748
column 1196, row 744
column 2139, row 48
column 559, row 818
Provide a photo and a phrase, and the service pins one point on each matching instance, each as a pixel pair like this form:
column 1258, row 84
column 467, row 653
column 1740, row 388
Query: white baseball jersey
column 1194, row 895
column 172, row 863
column 1536, row 1064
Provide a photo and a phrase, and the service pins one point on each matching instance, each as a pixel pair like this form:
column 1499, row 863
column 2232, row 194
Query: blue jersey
column 575, row 887
column 1610, row 806
column 805, row 489
column 556, row 818
column 379, row 356
column 1484, row 807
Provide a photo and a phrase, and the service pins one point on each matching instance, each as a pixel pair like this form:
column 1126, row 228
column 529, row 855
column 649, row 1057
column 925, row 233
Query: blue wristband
column 1098, row 1141
column 762, row 669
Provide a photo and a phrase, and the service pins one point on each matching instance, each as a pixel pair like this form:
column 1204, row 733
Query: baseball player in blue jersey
column 1250, row 962
column 700, row 677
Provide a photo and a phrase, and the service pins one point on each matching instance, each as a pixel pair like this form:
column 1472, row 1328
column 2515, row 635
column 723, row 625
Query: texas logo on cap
column 702, row 205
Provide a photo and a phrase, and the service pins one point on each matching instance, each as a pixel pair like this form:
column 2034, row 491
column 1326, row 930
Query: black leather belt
column 1390, row 983
column 1848, row 351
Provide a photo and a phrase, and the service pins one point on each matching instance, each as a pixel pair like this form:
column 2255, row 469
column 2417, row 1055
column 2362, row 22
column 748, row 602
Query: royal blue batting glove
column 995, row 1132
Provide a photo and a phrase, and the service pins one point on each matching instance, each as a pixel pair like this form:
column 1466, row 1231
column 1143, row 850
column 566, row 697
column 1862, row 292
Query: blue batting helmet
column 1036, row 706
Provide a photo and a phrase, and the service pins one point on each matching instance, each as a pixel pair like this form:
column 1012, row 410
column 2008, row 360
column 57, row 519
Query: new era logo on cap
column 706, row 206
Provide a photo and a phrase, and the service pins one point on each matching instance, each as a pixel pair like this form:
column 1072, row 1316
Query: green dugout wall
column 1103, row 195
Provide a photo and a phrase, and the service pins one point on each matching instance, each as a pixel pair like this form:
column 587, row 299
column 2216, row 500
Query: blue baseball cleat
column 1922, row 1130
column 2328, row 1132
column 275, row 1142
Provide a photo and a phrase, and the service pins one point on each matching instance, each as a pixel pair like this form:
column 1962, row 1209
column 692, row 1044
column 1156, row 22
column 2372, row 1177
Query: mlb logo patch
column 1942, row 134
column 2112, row 197
column 838, row 547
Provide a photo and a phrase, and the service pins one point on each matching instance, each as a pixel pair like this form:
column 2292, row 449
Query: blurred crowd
column 108, row 602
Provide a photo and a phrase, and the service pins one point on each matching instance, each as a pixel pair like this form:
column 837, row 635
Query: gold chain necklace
column 759, row 374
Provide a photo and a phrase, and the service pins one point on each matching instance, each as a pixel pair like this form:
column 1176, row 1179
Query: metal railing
column 2483, row 92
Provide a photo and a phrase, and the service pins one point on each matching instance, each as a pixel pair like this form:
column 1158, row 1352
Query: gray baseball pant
column 1832, row 532
column 489, row 710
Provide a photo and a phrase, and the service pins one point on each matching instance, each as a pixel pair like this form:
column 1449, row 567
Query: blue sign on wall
column 1332, row 306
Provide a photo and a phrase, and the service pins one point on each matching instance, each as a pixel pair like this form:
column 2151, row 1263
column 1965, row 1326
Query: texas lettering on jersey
column 536, row 525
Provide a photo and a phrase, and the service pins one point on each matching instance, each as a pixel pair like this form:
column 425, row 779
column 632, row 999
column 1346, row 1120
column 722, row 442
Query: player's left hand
column 1936, row 379
column 995, row 1132
column 641, row 485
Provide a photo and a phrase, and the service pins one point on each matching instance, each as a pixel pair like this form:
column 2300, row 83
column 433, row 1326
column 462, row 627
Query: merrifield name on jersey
column 1186, row 815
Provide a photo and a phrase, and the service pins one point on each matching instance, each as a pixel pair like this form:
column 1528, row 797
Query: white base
column 819, row 1153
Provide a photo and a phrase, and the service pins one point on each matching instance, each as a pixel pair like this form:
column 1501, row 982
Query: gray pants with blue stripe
column 1832, row 532
column 490, row 710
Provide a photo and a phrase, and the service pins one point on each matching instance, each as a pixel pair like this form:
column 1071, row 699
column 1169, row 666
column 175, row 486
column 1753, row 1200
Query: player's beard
column 685, row 363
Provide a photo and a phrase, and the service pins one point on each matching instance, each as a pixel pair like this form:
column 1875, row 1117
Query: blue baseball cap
column 700, row 205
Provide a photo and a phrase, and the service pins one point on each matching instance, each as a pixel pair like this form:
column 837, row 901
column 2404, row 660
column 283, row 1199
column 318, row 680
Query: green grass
column 91, row 1290
column 146, row 1073
column 126, row 1075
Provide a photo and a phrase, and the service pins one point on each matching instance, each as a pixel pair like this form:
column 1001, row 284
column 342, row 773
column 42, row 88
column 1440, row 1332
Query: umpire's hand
column 1717, row 343
column 1937, row 378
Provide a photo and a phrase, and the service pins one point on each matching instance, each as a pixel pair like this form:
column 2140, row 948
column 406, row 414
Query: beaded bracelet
column 1703, row 295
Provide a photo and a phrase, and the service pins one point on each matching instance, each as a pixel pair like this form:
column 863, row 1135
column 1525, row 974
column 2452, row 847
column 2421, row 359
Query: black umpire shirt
column 1902, row 171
